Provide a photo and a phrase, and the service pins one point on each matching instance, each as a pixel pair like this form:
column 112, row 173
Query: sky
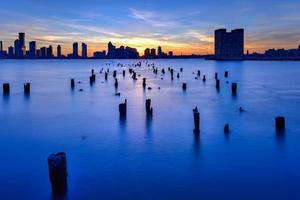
column 185, row 26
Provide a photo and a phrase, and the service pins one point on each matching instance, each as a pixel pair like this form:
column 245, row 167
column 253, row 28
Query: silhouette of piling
column 226, row 74
column 116, row 83
column 181, row 69
column 114, row 73
column 226, row 129
column 123, row 109
column 163, row 71
column 134, row 76
column 217, row 84
column 144, row 83
column 6, row 88
column 92, row 71
column 149, row 109
column 106, row 75
column 196, row 120
column 234, row 89
column 198, row 73
column 124, row 73
column 216, row 76
column 72, row 83
column 92, row 79
column 27, row 88
column 280, row 123
column 178, row 76
column 204, row 78
column 184, row 86
column 57, row 166
column 172, row 73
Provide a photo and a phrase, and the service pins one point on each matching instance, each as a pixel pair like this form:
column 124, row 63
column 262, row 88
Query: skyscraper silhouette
column 75, row 50
column 32, row 49
column 229, row 45
column 84, row 50
column 22, row 47
column 58, row 51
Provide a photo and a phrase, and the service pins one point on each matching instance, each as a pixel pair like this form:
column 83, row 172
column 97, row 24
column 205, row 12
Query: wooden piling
column 57, row 166
column 72, row 83
column 149, row 109
column 27, row 88
column 6, row 88
column 280, row 123
column 184, row 86
column 116, row 83
column 217, row 84
column 196, row 120
column 226, row 74
column 123, row 109
column 226, row 128
column 234, row 89
column 204, row 78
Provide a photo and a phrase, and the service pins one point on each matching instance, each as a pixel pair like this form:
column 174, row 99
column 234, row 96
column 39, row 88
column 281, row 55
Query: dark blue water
column 151, row 159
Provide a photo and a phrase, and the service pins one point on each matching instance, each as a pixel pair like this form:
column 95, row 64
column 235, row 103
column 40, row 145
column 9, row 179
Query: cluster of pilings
column 6, row 89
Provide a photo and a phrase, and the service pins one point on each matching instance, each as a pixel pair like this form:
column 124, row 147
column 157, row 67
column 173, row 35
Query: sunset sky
column 185, row 27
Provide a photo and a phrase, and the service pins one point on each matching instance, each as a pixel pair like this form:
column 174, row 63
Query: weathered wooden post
column 204, row 78
column 196, row 120
column 144, row 83
column 116, row 83
column 217, row 84
column 181, row 69
column 72, row 83
column 172, row 72
column 134, row 76
column 149, row 109
column 226, row 74
column 226, row 129
column 57, row 165
column 27, row 88
column 280, row 123
column 92, row 79
column 6, row 89
column 92, row 71
column 105, row 75
column 216, row 75
column 124, row 73
column 114, row 73
column 198, row 73
column 178, row 75
column 123, row 109
column 184, row 85
column 163, row 71
column 234, row 89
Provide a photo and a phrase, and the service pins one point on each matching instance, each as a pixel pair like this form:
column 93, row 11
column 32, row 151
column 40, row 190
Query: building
column 50, row 52
column 159, row 52
column 75, row 50
column 10, row 52
column 153, row 53
column 84, row 50
column 147, row 53
column 1, row 46
column 111, row 51
column 170, row 53
column 99, row 54
column 32, row 49
column 229, row 45
column 58, row 51
column 22, row 47
column 43, row 52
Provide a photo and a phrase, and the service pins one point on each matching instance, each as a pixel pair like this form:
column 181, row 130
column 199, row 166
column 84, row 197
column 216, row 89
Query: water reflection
column 149, row 119
column 197, row 145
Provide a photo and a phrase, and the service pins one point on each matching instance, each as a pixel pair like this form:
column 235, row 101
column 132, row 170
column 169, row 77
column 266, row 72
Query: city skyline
column 181, row 27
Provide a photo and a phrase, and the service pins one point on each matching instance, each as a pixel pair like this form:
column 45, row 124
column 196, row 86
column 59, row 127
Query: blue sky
column 182, row 26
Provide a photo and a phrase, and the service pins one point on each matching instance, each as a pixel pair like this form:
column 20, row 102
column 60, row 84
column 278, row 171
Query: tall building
column 229, row 44
column 153, row 53
column 43, row 52
column 16, row 48
column 1, row 46
column 50, row 52
column 84, row 50
column 10, row 52
column 75, row 50
column 58, row 52
column 22, row 47
column 111, row 50
column 32, row 49
column 147, row 53
column 159, row 52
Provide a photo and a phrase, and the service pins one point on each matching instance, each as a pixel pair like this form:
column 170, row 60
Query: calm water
column 151, row 159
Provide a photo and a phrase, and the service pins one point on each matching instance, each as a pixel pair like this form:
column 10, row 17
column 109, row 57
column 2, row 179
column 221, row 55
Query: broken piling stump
column 204, row 78
column 234, row 89
column 196, row 120
column 149, row 109
column 217, row 84
column 184, row 86
column 57, row 166
column 6, row 89
column 123, row 109
column 226, row 74
column 27, row 88
column 144, row 83
column 116, row 83
column 280, row 123
column 226, row 129
column 92, row 79
column 72, row 83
